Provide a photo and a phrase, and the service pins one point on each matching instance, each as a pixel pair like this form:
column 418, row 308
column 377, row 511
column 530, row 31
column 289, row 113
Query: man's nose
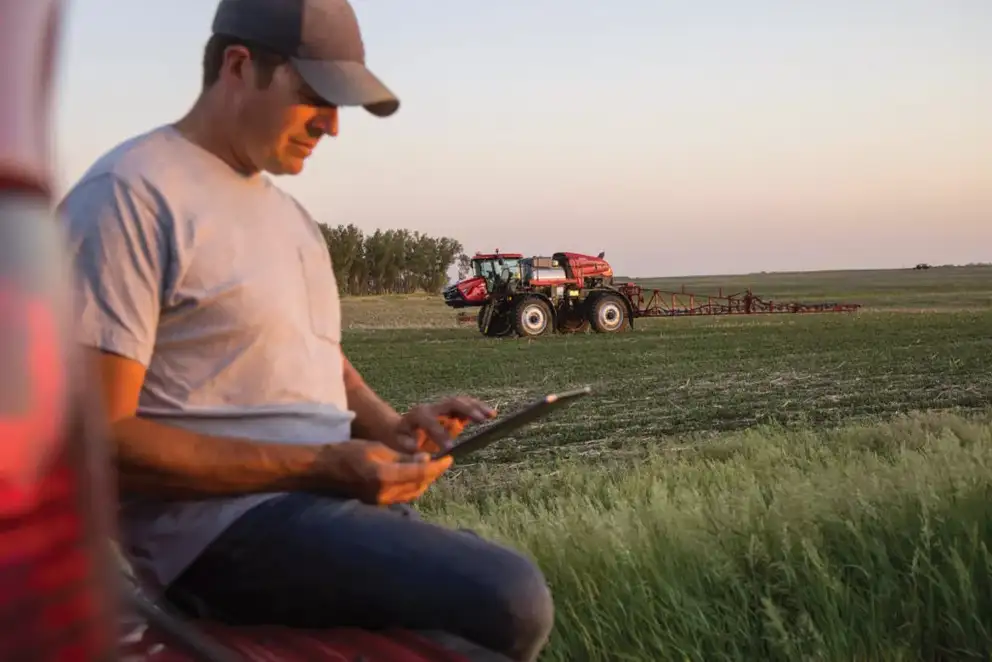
column 326, row 121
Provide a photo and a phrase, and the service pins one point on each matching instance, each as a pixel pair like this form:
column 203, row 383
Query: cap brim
column 345, row 83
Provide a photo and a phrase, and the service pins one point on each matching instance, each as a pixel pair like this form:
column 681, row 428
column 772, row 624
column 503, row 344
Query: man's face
column 281, row 122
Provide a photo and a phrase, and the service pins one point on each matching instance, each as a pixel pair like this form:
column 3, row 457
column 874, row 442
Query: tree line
column 389, row 261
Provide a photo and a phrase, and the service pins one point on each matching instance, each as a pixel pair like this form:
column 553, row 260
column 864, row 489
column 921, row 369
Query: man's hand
column 374, row 473
column 433, row 427
column 419, row 429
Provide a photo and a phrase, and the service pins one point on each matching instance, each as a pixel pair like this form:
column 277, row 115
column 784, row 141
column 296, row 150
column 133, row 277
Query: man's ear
column 237, row 64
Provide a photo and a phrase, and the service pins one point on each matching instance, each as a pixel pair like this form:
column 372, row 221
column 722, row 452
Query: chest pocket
column 321, row 293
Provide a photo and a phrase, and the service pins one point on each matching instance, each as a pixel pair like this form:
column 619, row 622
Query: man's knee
column 522, row 608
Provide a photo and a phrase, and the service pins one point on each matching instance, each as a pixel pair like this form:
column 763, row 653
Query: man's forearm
column 164, row 462
column 375, row 419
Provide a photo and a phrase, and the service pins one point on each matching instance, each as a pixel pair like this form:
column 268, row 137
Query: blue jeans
column 304, row 560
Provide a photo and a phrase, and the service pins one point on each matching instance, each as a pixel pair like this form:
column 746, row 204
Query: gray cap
column 322, row 40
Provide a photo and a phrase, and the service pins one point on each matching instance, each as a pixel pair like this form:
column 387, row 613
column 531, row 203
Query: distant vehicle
column 573, row 292
column 565, row 293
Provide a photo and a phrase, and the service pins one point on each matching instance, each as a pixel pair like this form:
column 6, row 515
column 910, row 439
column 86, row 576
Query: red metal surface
column 474, row 289
column 584, row 266
column 51, row 593
column 268, row 643
column 579, row 265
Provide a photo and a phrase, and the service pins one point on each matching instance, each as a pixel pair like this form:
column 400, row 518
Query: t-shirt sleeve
column 119, row 251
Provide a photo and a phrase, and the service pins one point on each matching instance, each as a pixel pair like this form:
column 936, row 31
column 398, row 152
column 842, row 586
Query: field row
column 671, row 378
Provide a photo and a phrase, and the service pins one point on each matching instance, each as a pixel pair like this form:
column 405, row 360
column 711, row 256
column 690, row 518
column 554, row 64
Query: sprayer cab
column 487, row 270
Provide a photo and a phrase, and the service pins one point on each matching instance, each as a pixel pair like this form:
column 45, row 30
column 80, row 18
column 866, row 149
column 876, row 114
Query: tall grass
column 861, row 543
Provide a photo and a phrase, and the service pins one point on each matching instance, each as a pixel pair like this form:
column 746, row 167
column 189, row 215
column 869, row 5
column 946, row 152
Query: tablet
column 505, row 426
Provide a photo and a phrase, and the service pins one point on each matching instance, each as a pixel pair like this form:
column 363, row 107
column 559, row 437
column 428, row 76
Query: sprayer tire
column 608, row 314
column 532, row 317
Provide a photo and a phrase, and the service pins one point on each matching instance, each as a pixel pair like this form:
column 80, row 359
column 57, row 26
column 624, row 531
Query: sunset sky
column 716, row 136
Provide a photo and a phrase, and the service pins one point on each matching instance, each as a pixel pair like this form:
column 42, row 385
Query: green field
column 784, row 487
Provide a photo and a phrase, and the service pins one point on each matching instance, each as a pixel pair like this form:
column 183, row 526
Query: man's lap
column 311, row 561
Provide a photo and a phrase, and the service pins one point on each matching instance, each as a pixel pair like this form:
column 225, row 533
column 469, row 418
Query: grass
column 781, row 487
column 862, row 543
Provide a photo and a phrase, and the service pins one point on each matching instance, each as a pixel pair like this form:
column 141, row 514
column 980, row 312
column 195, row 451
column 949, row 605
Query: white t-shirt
column 222, row 286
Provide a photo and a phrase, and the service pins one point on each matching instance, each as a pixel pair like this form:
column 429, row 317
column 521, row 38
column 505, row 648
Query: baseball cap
column 322, row 40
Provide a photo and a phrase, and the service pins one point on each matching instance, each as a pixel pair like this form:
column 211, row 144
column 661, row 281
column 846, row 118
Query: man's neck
column 203, row 127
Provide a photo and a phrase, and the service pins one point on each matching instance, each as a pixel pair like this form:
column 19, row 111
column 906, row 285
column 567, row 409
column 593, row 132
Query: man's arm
column 171, row 463
column 375, row 419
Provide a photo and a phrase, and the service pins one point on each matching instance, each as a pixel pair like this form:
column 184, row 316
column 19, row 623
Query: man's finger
column 466, row 407
column 414, row 472
column 404, row 487
column 437, row 467
column 483, row 411
column 426, row 420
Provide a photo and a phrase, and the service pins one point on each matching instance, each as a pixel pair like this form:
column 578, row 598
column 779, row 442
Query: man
column 253, row 458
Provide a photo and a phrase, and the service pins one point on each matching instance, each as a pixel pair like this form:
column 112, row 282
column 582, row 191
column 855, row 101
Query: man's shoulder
column 129, row 160
column 147, row 166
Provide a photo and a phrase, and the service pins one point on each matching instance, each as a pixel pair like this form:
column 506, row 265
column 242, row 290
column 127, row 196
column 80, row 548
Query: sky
column 681, row 137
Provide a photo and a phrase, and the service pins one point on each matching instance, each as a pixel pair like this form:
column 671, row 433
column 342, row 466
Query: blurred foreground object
column 56, row 574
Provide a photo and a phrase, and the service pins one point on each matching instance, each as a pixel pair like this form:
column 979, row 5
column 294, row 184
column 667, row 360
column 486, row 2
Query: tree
column 464, row 266
column 389, row 261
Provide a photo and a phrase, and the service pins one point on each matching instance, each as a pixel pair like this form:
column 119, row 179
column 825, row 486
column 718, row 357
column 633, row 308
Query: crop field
column 783, row 487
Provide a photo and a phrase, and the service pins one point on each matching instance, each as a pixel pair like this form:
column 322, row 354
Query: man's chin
column 287, row 167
